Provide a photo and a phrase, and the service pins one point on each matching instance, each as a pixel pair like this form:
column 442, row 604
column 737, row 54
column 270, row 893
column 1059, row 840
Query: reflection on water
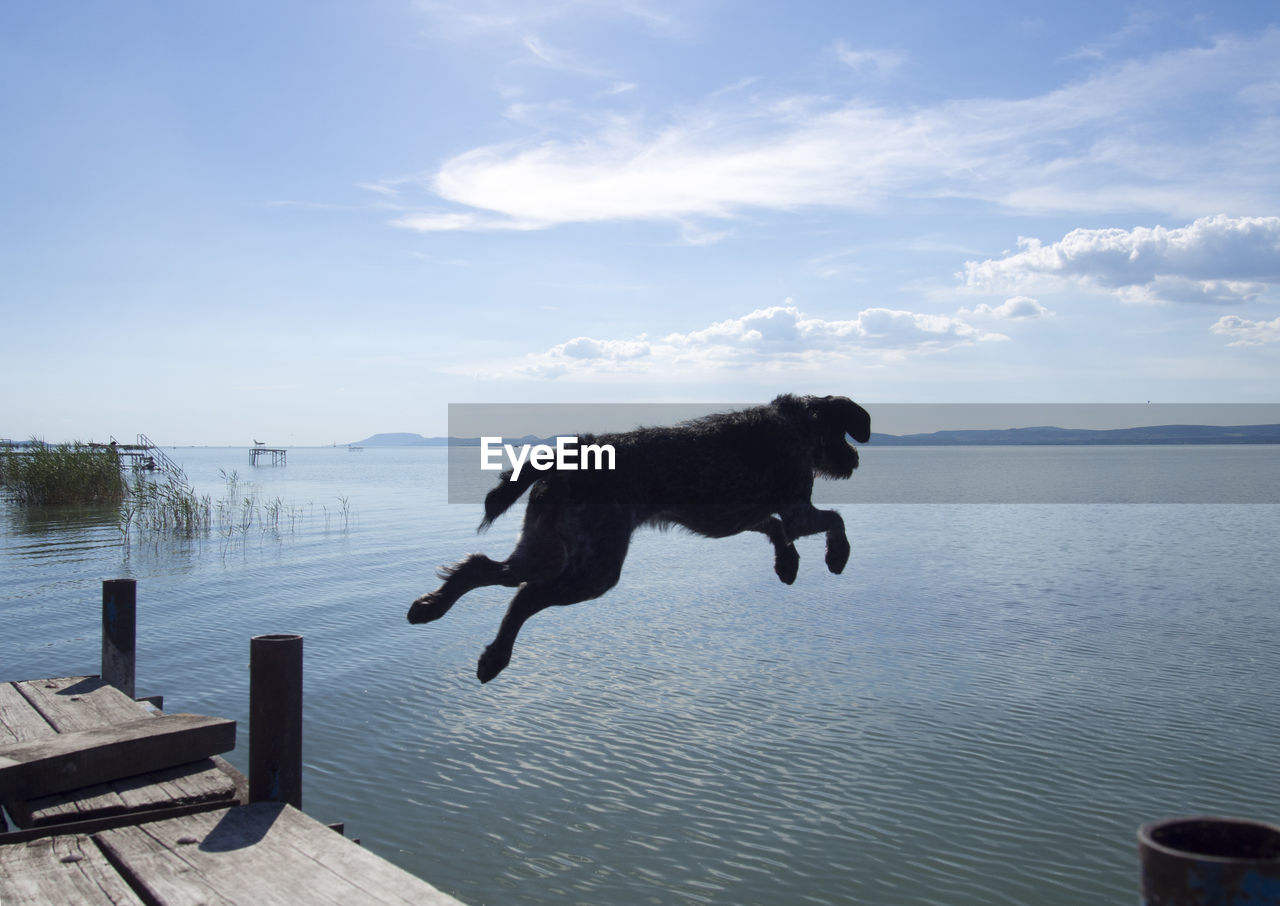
column 64, row 520
column 982, row 709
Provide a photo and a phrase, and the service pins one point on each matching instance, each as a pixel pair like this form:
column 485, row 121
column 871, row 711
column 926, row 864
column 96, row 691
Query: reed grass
column 41, row 474
column 171, row 507
column 151, row 506
column 165, row 506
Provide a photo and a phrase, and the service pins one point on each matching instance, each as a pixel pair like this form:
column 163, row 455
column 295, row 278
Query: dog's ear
column 839, row 413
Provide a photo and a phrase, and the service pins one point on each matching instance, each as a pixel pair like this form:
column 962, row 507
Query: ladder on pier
column 146, row 456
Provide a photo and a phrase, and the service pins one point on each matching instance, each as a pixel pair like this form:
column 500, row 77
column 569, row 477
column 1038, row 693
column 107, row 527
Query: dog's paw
column 787, row 565
column 492, row 663
column 429, row 607
column 837, row 554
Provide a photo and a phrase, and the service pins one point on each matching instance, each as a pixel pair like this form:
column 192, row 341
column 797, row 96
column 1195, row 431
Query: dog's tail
column 499, row 500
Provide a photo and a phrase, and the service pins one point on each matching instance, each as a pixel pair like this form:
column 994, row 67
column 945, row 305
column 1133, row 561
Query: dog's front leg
column 806, row 519
column 786, row 560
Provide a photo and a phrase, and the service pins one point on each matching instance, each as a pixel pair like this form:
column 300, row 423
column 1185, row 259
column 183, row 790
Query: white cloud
column 541, row 53
column 461, row 220
column 1214, row 259
column 462, row 19
column 1017, row 308
column 1120, row 141
column 616, row 350
column 784, row 329
column 878, row 61
column 1247, row 333
column 765, row 340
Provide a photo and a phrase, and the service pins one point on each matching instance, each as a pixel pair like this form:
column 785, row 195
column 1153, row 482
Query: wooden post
column 119, row 632
column 1208, row 860
column 275, row 719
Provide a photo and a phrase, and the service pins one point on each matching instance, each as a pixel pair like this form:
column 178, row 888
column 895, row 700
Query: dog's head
column 834, row 417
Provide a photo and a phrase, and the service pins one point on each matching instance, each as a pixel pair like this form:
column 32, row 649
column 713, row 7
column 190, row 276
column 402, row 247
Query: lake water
column 982, row 709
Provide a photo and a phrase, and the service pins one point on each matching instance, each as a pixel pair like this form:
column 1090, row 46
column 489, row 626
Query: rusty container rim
column 1266, row 837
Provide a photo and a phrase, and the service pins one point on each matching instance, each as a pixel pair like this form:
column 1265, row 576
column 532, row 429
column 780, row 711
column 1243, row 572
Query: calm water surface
column 982, row 709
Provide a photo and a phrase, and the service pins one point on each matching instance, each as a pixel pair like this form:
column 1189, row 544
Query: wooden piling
column 119, row 632
column 275, row 719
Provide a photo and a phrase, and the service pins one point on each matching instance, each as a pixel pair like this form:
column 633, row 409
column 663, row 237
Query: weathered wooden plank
column 98, row 799
column 19, row 720
column 71, row 703
column 99, row 754
column 265, row 853
column 200, row 781
column 78, row 702
column 67, row 869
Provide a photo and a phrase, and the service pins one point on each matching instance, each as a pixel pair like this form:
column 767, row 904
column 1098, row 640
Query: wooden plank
column 78, row 702
column 66, row 869
column 187, row 784
column 19, row 720
column 81, row 702
column 74, row 703
column 82, row 757
column 265, row 853
column 104, row 822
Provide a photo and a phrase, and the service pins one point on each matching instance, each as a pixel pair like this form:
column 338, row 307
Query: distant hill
column 399, row 440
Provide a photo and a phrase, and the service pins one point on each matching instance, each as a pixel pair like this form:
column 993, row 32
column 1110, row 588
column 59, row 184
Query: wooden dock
column 116, row 802
column 267, row 852
column 143, row 456
column 277, row 454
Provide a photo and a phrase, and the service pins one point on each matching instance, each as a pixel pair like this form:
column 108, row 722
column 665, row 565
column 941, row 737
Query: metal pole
column 275, row 719
column 119, row 632
column 1210, row 861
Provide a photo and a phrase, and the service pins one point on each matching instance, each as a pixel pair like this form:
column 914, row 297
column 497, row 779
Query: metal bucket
column 1210, row 861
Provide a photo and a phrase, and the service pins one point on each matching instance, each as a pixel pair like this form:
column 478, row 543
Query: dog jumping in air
column 749, row 470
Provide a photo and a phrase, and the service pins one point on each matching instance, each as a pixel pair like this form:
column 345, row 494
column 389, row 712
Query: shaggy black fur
column 717, row 476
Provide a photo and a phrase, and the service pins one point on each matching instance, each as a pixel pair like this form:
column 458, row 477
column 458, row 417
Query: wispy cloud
column 1138, row 23
column 543, row 54
column 1217, row 259
column 1118, row 141
column 765, row 340
column 1244, row 332
column 464, row 19
column 1018, row 308
column 876, row 61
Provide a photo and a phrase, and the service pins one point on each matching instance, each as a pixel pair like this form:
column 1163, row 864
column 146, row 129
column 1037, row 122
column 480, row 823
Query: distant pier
column 258, row 451
column 143, row 456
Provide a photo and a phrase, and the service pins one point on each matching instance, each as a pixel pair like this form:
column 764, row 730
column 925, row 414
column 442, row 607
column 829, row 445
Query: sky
column 309, row 222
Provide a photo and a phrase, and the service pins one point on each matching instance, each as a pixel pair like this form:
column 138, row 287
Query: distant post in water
column 275, row 719
column 119, row 633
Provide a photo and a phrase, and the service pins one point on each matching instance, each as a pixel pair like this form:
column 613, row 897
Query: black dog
column 717, row 476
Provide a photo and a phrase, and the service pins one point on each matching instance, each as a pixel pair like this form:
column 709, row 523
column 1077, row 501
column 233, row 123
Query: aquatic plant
column 40, row 474
column 165, row 506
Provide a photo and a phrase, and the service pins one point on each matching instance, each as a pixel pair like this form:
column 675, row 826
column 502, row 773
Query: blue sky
column 309, row 222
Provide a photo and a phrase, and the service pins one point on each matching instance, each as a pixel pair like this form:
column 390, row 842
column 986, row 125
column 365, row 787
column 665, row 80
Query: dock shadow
column 242, row 826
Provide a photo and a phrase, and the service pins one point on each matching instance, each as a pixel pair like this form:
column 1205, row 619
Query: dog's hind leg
column 806, row 519
column 475, row 571
column 497, row 655
column 786, row 560
column 538, row 554
column 592, row 567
